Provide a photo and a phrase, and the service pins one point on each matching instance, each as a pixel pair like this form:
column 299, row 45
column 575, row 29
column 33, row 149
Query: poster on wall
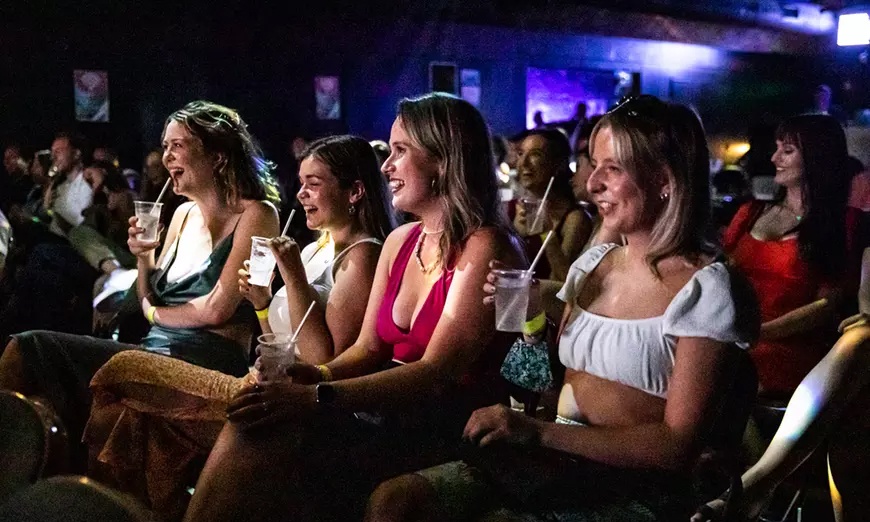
column 327, row 95
column 91, row 90
column 469, row 86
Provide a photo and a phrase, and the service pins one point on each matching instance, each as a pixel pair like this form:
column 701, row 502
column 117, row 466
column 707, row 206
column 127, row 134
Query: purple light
column 556, row 93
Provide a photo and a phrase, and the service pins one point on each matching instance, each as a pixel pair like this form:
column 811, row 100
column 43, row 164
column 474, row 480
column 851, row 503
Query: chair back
column 723, row 458
column 73, row 499
column 33, row 442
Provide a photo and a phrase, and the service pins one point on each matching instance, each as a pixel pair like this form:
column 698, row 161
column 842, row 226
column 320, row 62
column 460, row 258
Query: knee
column 400, row 498
column 120, row 368
column 11, row 366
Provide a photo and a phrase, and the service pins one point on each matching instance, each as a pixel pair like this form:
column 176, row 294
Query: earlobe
column 357, row 192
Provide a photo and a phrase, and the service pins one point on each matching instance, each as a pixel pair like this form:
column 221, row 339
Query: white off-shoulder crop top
column 640, row 352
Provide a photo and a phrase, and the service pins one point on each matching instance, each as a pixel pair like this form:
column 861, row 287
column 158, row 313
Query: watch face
column 325, row 393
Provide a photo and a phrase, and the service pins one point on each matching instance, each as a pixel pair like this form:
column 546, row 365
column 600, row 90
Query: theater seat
column 32, row 442
column 73, row 499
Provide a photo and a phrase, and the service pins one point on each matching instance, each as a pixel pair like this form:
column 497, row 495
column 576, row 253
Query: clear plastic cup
column 511, row 299
column 148, row 214
column 262, row 261
column 276, row 354
column 536, row 215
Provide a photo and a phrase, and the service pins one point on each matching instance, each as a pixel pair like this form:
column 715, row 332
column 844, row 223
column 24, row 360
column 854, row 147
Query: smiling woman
column 189, row 295
column 543, row 170
column 794, row 250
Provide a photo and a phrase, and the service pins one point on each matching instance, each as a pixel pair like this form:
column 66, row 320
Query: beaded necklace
column 418, row 249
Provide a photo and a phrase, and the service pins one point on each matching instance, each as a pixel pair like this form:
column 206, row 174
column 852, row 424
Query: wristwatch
column 324, row 393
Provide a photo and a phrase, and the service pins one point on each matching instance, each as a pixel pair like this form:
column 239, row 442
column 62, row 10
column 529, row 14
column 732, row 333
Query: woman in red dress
column 794, row 251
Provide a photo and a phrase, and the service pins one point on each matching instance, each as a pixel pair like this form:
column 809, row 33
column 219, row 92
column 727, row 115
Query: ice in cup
column 262, row 262
column 276, row 353
column 148, row 214
column 536, row 215
column 511, row 299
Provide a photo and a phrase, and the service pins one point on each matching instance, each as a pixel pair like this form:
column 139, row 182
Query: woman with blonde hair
column 313, row 448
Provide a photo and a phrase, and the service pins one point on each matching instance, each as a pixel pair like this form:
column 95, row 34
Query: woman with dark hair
column 190, row 295
column 425, row 357
column 545, row 154
column 649, row 336
column 793, row 250
column 344, row 196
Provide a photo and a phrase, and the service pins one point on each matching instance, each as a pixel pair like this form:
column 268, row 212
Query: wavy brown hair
column 244, row 173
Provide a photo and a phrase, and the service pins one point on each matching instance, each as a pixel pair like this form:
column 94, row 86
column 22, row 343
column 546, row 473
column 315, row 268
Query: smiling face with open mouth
column 410, row 172
column 189, row 166
column 325, row 203
column 789, row 164
column 620, row 200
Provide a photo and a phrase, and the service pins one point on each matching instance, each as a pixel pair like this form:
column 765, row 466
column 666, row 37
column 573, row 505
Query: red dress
column 783, row 282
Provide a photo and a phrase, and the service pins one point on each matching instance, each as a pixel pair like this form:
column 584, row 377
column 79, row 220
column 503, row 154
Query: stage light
column 853, row 29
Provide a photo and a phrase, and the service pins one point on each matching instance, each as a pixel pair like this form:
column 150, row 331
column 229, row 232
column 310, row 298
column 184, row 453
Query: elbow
column 677, row 454
column 215, row 316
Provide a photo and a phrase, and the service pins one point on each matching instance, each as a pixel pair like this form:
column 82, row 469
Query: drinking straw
column 531, row 269
column 162, row 192
column 302, row 322
column 287, row 224
column 541, row 206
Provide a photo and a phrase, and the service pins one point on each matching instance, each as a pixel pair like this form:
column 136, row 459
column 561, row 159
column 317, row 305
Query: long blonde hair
column 662, row 143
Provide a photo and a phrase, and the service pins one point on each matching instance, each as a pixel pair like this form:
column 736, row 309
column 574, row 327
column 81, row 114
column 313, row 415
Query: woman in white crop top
column 645, row 337
column 344, row 196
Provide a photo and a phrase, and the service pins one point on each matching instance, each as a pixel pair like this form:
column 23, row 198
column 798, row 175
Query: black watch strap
column 324, row 393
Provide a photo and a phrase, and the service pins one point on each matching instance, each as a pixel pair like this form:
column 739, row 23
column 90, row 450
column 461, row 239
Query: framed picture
column 327, row 96
column 91, row 94
column 469, row 86
column 442, row 77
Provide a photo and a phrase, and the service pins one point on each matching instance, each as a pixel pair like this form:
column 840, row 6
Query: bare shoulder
column 258, row 209
column 677, row 271
column 397, row 237
column 364, row 256
column 488, row 243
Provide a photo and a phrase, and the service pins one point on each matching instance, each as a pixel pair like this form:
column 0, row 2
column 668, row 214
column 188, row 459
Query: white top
column 70, row 198
column 640, row 352
column 5, row 236
column 319, row 260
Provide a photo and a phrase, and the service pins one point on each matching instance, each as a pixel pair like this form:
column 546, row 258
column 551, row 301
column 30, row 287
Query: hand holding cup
column 140, row 247
column 259, row 296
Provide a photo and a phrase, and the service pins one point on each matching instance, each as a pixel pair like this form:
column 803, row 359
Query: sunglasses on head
column 643, row 105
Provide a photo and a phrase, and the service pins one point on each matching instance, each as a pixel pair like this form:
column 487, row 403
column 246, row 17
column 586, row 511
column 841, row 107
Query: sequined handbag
column 528, row 366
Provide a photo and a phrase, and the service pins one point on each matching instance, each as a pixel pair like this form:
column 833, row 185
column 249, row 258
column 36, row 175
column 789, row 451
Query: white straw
column 301, row 323
column 162, row 192
column 531, row 269
column 541, row 206
column 287, row 224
